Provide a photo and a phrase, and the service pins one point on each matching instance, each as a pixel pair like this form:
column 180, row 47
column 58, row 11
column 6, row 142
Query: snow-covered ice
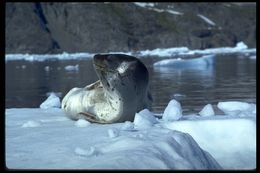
column 230, row 140
column 194, row 63
column 240, row 47
column 193, row 142
column 51, row 102
column 207, row 111
column 39, row 57
column 173, row 111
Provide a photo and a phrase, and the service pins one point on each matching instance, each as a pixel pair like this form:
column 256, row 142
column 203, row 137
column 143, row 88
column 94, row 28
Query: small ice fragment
column 173, row 111
column 82, row 152
column 253, row 57
column 112, row 133
column 82, row 123
column 51, row 102
column 207, row 111
column 31, row 124
column 127, row 126
column 144, row 119
column 47, row 68
column 72, row 68
column 236, row 107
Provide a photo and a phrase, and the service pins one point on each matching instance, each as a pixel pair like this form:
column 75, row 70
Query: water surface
column 231, row 77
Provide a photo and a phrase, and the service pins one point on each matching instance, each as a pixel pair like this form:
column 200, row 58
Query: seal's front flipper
column 92, row 118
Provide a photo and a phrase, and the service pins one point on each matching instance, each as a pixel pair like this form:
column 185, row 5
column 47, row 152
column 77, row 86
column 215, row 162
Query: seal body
column 121, row 91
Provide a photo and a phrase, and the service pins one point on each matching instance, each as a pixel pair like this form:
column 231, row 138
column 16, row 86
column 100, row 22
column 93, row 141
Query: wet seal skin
column 121, row 91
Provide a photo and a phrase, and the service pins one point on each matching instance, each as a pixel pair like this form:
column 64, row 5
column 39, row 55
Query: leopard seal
column 121, row 91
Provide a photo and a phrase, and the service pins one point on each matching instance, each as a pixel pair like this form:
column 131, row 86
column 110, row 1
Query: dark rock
column 104, row 27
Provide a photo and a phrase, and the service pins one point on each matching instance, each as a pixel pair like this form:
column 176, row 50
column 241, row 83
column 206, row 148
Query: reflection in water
column 194, row 84
column 229, row 78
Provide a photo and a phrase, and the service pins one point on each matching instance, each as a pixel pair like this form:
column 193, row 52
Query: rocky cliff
column 104, row 27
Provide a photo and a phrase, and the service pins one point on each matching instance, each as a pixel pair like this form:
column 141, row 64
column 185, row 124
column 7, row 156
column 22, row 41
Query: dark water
column 232, row 77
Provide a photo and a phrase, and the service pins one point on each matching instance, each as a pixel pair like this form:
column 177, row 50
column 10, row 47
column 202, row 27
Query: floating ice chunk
column 144, row 119
column 82, row 152
column 51, row 102
column 237, row 108
column 179, row 96
column 252, row 57
column 164, row 52
column 241, row 45
column 113, row 133
column 173, row 111
column 31, row 124
column 47, row 68
column 72, row 67
column 127, row 126
column 23, row 66
column 82, row 123
column 207, row 111
column 201, row 62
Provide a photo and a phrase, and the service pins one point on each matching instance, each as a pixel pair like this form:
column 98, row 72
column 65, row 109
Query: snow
column 173, row 111
column 72, row 67
column 150, row 6
column 51, row 102
column 160, row 52
column 140, row 4
column 207, row 111
column 174, row 12
column 200, row 62
column 207, row 20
